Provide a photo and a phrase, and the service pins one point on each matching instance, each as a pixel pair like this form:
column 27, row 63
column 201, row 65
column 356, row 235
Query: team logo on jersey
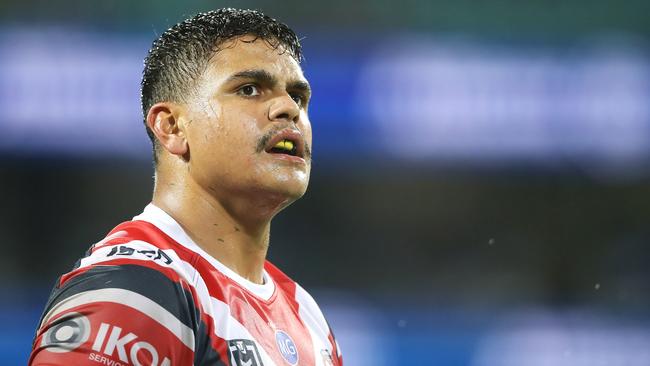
column 243, row 352
column 67, row 333
column 287, row 347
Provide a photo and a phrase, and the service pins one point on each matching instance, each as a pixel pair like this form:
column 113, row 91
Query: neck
column 239, row 242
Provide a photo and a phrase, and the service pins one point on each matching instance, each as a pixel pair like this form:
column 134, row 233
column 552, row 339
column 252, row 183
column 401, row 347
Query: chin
column 287, row 191
column 292, row 182
column 277, row 189
column 292, row 191
column 272, row 200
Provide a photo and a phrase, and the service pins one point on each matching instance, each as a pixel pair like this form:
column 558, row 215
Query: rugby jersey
column 148, row 295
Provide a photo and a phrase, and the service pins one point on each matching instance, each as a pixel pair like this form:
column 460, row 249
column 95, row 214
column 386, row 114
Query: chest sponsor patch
column 287, row 347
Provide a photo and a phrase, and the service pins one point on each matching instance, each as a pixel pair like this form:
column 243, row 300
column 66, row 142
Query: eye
column 249, row 90
column 298, row 98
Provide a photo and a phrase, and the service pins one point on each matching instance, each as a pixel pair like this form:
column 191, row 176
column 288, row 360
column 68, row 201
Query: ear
column 163, row 121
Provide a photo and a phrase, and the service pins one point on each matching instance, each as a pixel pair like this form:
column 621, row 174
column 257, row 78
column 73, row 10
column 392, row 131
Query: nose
column 284, row 108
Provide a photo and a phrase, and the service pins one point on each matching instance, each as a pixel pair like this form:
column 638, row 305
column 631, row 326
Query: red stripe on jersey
column 72, row 274
column 114, row 237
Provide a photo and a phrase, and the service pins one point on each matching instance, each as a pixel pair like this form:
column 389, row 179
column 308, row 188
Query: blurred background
column 480, row 185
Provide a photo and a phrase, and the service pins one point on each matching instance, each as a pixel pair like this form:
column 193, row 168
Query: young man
column 187, row 281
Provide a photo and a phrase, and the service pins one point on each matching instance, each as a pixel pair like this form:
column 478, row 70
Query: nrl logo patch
column 243, row 352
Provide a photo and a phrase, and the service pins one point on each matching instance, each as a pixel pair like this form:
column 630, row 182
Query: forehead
column 248, row 53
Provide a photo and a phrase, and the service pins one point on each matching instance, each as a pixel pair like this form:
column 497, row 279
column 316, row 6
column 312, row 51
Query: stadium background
column 480, row 186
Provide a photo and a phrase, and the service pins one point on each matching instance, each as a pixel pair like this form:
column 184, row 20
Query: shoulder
column 132, row 263
column 134, row 260
column 131, row 285
column 134, row 246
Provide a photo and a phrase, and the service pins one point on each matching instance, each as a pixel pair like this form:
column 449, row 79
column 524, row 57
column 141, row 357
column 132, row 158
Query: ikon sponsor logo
column 67, row 333
column 104, row 360
column 109, row 342
column 73, row 330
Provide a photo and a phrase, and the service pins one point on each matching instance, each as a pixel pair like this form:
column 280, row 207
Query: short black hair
column 181, row 54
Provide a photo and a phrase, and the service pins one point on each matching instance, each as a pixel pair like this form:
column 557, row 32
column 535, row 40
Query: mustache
column 264, row 140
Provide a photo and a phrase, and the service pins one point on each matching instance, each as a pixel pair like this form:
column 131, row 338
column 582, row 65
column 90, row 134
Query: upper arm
column 116, row 315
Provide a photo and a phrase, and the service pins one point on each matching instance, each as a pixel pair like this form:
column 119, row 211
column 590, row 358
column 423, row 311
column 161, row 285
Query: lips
column 287, row 142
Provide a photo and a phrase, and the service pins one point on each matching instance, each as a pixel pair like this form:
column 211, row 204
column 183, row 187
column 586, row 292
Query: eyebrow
column 300, row 86
column 266, row 78
column 261, row 76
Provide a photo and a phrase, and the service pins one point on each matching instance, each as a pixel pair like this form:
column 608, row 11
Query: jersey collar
column 163, row 221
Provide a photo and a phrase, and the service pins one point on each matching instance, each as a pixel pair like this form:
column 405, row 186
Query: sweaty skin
column 212, row 176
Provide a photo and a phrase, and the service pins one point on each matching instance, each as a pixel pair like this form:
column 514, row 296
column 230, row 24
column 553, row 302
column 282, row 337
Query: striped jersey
column 148, row 295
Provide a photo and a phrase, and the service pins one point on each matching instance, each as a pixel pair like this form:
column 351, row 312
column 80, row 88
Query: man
column 187, row 281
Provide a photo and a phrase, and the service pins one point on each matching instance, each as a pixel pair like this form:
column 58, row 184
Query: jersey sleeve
column 117, row 314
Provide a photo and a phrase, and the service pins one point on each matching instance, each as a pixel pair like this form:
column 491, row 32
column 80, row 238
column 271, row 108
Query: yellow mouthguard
column 285, row 144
